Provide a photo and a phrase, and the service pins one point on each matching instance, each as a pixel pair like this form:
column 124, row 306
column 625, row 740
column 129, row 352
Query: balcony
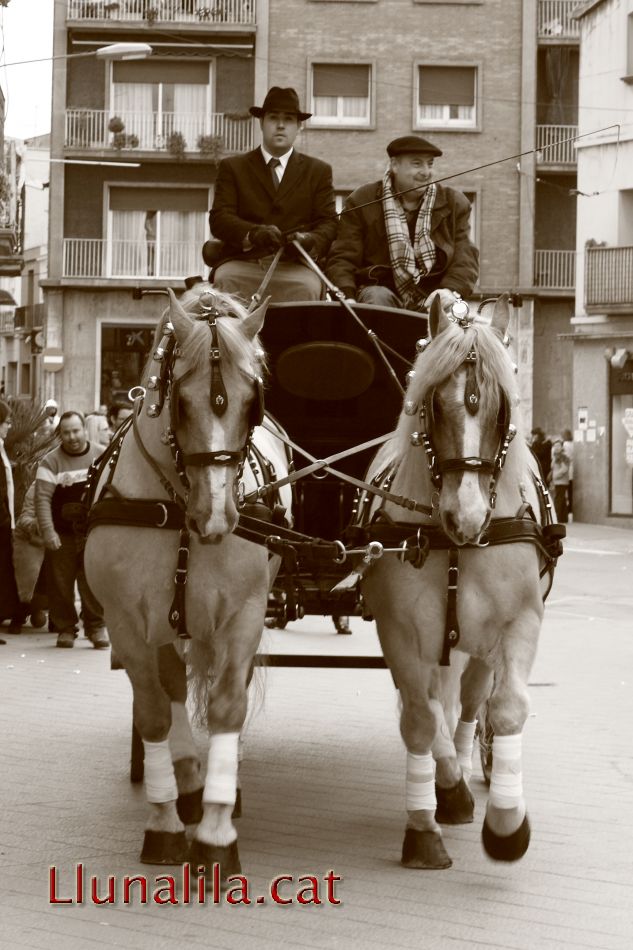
column 7, row 322
column 555, row 270
column 30, row 317
column 90, row 257
column 609, row 279
column 11, row 260
column 555, row 23
column 151, row 132
column 209, row 12
column 555, row 145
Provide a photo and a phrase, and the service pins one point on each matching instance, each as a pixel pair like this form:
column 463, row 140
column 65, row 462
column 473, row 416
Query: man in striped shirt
column 60, row 480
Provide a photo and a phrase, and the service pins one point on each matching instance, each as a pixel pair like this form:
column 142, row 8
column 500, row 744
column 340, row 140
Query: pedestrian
column 267, row 198
column 568, row 449
column 405, row 239
column 97, row 427
column 28, row 557
column 559, row 480
column 117, row 414
column 542, row 449
column 11, row 608
column 59, row 483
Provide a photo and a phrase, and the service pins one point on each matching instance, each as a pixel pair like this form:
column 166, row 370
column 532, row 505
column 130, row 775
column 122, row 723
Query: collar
column 284, row 159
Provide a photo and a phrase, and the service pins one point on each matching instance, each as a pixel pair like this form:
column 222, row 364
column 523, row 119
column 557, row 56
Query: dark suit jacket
column 362, row 244
column 245, row 196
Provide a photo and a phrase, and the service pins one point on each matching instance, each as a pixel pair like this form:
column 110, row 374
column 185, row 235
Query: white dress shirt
column 283, row 160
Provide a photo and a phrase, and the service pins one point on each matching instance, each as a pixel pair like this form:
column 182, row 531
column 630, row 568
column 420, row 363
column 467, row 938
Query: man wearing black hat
column 268, row 197
column 405, row 239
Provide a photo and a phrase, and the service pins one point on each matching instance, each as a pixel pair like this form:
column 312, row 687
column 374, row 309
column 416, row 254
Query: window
column 340, row 94
column 156, row 232
column 447, row 97
column 156, row 99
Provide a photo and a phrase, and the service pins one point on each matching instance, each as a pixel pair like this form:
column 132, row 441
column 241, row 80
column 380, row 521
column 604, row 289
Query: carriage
column 337, row 378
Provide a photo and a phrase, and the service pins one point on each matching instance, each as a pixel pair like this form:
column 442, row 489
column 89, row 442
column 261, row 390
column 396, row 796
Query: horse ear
column 501, row 315
column 183, row 324
column 254, row 321
column 438, row 320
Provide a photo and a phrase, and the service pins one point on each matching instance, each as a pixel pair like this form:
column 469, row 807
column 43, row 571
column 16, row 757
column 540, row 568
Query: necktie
column 273, row 164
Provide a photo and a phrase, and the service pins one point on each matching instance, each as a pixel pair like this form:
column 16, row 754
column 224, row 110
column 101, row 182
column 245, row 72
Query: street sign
column 52, row 359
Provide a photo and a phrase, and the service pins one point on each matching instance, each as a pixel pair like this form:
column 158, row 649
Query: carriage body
column 331, row 390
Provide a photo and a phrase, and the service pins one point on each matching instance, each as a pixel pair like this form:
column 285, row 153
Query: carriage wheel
column 137, row 757
column 485, row 735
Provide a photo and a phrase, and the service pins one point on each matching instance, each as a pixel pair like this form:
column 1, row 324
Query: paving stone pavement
column 323, row 778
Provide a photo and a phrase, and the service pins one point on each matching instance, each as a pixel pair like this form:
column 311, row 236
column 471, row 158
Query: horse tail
column 202, row 668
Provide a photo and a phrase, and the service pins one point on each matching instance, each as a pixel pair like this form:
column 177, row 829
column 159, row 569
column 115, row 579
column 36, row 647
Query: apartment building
column 603, row 325
column 484, row 79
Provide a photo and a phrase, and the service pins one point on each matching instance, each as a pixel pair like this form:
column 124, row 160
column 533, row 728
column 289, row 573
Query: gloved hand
column 304, row 238
column 266, row 237
column 447, row 299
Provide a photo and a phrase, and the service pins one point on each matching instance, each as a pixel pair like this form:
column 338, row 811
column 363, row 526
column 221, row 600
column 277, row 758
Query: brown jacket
column 360, row 254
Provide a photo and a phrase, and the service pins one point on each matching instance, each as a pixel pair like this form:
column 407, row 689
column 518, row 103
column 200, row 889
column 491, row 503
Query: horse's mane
column 245, row 353
column 443, row 357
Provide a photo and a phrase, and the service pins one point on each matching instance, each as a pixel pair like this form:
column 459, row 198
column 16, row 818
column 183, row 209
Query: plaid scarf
column 409, row 262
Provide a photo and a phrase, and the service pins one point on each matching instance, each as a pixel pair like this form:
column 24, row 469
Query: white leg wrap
column 180, row 736
column 464, row 738
column 220, row 786
column 506, row 783
column 420, row 788
column 160, row 780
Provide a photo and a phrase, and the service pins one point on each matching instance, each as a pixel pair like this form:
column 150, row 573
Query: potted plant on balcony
column 176, row 144
column 211, row 147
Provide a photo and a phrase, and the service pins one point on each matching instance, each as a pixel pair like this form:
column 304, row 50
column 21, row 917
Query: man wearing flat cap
column 267, row 198
column 405, row 239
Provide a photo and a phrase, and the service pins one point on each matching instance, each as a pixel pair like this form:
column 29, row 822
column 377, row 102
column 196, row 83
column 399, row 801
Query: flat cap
column 409, row 144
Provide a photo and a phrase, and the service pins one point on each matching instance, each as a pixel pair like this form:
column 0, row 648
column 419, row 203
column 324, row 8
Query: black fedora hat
column 410, row 144
column 280, row 100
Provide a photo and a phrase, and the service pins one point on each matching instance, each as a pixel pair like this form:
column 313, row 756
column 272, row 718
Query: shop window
column 340, row 94
column 124, row 352
column 621, row 447
column 447, row 97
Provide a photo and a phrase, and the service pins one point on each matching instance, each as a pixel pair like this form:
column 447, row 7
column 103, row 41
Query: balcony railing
column 555, row 270
column 151, row 131
column 555, row 21
column 555, row 144
column 7, row 321
column 90, row 257
column 162, row 11
column 30, row 316
column 609, row 278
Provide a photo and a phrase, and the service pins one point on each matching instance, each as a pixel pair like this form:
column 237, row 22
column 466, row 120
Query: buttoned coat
column 360, row 255
column 246, row 196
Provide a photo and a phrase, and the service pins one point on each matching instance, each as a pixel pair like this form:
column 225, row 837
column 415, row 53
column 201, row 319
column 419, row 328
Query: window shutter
column 446, row 85
column 337, row 79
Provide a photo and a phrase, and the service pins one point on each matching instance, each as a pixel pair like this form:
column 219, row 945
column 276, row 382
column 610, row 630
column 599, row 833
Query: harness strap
column 177, row 616
column 451, row 626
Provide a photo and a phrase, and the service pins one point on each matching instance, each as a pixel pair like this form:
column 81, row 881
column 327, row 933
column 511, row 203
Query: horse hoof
column 455, row 805
column 508, row 848
column 207, row 855
column 237, row 807
column 424, row 850
column 164, row 847
column 189, row 807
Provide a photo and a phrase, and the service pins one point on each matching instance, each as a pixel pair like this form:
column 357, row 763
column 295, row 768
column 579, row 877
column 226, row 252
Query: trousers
column 64, row 567
column 289, row 281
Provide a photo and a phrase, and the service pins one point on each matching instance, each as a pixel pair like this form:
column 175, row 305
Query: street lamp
column 111, row 52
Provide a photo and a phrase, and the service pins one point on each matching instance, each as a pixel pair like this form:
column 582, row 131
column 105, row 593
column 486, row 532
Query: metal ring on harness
column 138, row 390
column 165, row 515
column 342, row 555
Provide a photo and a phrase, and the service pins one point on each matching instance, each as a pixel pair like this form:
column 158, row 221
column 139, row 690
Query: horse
column 459, row 447
column 163, row 558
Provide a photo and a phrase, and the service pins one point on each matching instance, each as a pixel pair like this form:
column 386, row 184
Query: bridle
column 424, row 436
column 164, row 386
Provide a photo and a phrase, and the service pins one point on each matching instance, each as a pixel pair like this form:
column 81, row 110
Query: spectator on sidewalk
column 568, row 449
column 10, row 606
column 542, row 449
column 60, row 481
column 559, row 480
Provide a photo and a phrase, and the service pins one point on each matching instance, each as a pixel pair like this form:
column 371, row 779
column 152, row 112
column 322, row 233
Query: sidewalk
column 323, row 779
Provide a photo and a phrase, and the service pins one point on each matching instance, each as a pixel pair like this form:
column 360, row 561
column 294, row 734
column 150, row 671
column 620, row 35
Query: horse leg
column 506, row 828
column 165, row 841
column 455, row 803
column 419, row 724
column 173, row 678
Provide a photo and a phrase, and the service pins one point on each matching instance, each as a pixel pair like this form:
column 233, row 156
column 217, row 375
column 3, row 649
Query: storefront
column 124, row 351
column 621, row 433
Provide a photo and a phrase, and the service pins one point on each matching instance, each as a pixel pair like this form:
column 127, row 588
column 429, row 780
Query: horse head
column 213, row 389
column 465, row 393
